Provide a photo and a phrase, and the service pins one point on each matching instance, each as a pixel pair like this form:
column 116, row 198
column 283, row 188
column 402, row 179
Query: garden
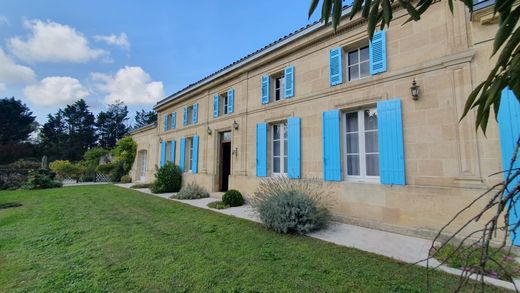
column 106, row 238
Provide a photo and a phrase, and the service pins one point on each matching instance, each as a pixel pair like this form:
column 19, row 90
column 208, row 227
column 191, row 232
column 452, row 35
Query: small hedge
column 126, row 179
column 191, row 191
column 219, row 205
column 168, row 178
column 41, row 179
column 291, row 206
column 233, row 198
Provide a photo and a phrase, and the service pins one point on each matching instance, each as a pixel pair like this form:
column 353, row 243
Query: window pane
column 285, row 131
column 370, row 119
column 352, row 122
column 285, row 164
column 364, row 69
column 372, row 165
column 353, row 72
column 371, row 142
column 276, row 165
column 352, row 143
column 276, row 132
column 363, row 54
column 352, row 164
column 276, row 148
column 285, row 148
column 353, row 57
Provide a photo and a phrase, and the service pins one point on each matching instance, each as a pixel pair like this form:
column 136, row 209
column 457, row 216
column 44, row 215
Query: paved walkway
column 400, row 247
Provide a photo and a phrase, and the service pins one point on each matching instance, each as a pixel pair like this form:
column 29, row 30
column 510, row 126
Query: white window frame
column 358, row 64
column 283, row 140
column 362, row 177
column 224, row 104
column 189, row 155
column 281, row 88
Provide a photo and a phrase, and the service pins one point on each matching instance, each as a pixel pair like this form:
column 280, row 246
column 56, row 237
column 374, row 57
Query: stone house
column 335, row 106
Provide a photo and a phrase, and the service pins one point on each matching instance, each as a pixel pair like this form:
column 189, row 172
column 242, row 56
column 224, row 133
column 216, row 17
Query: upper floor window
column 224, row 103
column 361, row 144
column 279, row 148
column 358, row 63
column 278, row 86
column 189, row 115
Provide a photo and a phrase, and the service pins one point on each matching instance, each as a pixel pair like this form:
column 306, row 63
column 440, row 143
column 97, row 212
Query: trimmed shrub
column 168, row 178
column 191, row 191
column 141, row 185
column 126, row 179
column 233, row 198
column 219, row 205
column 65, row 169
column 41, row 179
column 291, row 206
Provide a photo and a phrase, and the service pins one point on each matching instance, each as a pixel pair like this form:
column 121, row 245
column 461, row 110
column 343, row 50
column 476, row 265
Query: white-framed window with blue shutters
column 361, row 149
column 190, row 114
column 279, row 149
column 278, row 86
column 358, row 62
column 191, row 153
column 224, row 103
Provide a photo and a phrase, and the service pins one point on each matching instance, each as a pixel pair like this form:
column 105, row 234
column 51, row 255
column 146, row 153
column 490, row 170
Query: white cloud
column 12, row 73
column 120, row 41
column 55, row 91
column 131, row 85
column 2, row 87
column 4, row 20
column 53, row 42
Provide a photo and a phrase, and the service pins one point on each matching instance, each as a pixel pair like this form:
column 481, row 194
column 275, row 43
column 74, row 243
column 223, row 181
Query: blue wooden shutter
column 165, row 122
column 182, row 154
column 331, row 146
column 294, row 156
column 185, row 116
column 195, row 113
column 261, row 150
column 172, row 151
column 163, row 153
column 390, row 137
column 289, row 82
column 265, row 89
column 509, row 129
column 231, row 101
column 378, row 53
column 335, row 66
column 215, row 106
column 195, row 154
column 174, row 119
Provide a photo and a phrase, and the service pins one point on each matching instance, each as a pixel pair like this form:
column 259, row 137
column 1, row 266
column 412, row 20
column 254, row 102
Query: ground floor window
column 142, row 155
column 361, row 144
column 189, row 143
column 279, row 148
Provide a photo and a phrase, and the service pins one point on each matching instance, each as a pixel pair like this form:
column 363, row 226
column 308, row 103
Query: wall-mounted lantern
column 209, row 131
column 235, row 125
column 414, row 90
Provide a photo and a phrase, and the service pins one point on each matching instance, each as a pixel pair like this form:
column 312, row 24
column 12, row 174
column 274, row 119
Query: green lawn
column 105, row 238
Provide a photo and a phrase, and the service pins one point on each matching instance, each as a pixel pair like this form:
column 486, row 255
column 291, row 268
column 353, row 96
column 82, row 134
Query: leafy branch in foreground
column 486, row 95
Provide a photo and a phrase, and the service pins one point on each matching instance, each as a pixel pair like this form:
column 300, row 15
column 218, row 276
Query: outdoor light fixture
column 235, row 124
column 209, row 131
column 414, row 90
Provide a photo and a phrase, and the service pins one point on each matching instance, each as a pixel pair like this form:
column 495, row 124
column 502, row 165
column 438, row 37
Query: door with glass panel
column 142, row 165
column 279, row 149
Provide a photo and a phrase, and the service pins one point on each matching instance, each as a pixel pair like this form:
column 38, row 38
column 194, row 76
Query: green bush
column 233, row 198
column 65, row 169
column 219, row 205
column 191, row 191
column 12, row 179
column 106, row 168
column 291, row 206
column 25, row 164
column 126, row 179
column 41, row 179
column 125, row 151
column 168, row 178
column 141, row 185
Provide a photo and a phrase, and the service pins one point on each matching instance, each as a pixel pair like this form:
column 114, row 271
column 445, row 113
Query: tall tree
column 16, row 121
column 111, row 124
column 81, row 130
column 54, row 136
column 143, row 118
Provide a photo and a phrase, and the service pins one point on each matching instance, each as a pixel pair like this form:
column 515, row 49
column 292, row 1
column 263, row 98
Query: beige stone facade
column 446, row 162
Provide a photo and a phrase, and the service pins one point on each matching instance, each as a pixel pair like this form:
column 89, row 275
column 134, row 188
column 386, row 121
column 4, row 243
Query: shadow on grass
column 9, row 205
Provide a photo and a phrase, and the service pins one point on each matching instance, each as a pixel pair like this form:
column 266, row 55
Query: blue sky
column 52, row 52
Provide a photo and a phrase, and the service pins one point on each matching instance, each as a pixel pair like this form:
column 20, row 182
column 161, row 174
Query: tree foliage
column 111, row 124
column 16, row 121
column 125, row 152
column 143, row 118
column 506, row 73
